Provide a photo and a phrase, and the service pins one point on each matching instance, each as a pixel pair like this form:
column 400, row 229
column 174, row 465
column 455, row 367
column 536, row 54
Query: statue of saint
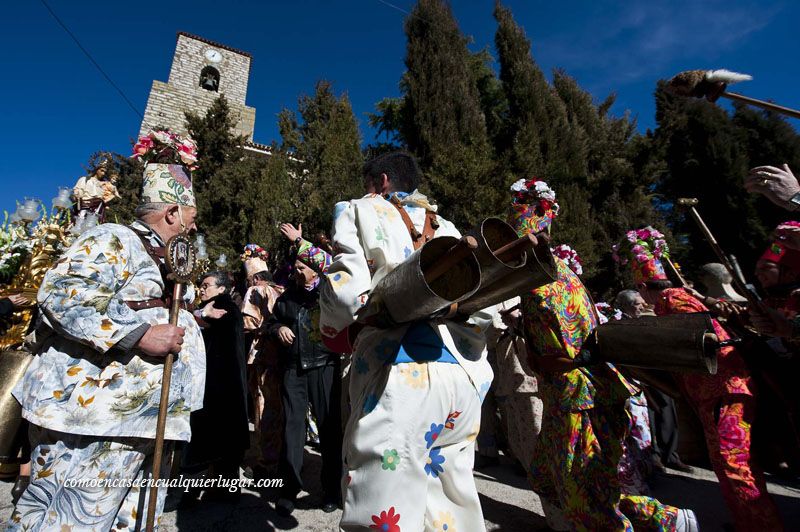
column 92, row 192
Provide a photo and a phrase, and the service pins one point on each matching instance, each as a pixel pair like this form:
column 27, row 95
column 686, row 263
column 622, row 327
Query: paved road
column 508, row 505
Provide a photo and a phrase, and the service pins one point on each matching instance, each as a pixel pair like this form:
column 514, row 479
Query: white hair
column 626, row 299
column 146, row 209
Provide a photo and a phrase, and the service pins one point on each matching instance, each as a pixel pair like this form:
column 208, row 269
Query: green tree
column 223, row 181
column 327, row 158
column 705, row 157
column 539, row 140
column 445, row 124
column 129, row 186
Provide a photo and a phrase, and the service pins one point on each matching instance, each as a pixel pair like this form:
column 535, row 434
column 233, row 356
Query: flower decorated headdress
column 606, row 312
column 570, row 256
column 164, row 146
column 643, row 249
column 533, row 206
column 254, row 259
column 778, row 253
column 168, row 158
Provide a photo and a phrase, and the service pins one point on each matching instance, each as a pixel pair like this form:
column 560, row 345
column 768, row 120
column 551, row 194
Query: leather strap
column 431, row 224
column 147, row 303
column 157, row 253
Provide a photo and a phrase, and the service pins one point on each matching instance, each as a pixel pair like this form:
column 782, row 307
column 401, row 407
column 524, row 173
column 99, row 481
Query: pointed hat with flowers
column 533, row 206
column 643, row 249
column 254, row 259
column 169, row 158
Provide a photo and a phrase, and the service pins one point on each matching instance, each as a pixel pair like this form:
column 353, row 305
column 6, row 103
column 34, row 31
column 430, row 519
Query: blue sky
column 58, row 109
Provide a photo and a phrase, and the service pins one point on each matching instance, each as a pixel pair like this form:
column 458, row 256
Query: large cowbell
column 507, row 277
column 405, row 294
column 678, row 342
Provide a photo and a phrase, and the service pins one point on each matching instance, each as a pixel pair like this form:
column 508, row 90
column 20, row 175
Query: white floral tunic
column 81, row 381
column 371, row 240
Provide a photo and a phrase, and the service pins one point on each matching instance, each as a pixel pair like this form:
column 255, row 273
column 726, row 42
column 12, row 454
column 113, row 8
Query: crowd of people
column 398, row 411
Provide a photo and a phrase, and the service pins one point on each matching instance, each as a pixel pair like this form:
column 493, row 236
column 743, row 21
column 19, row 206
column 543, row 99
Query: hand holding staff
column 180, row 260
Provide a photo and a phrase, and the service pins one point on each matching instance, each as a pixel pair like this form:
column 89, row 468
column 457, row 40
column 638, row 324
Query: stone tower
column 201, row 71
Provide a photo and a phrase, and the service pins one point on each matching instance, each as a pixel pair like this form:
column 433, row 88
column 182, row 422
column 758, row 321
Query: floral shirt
column 370, row 240
column 82, row 381
column 732, row 375
column 558, row 317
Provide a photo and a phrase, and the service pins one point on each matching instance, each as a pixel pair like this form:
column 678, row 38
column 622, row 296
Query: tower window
column 209, row 79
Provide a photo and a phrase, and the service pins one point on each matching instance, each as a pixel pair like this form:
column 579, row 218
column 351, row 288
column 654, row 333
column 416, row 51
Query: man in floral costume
column 415, row 390
column 725, row 402
column 92, row 391
column 576, row 459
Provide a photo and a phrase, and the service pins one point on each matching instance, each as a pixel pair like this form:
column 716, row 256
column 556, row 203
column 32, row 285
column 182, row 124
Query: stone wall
column 169, row 101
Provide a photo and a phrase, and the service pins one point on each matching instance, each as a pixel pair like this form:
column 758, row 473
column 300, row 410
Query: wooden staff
column 516, row 248
column 690, row 203
column 769, row 106
column 180, row 261
column 674, row 272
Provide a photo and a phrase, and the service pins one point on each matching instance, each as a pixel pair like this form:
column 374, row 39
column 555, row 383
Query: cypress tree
column 442, row 108
column 539, row 138
column 224, row 181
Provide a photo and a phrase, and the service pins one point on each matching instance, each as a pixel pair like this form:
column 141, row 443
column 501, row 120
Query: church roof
column 216, row 44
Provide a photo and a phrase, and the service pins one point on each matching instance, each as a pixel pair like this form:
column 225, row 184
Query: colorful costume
column 415, row 391
column 576, row 459
column 724, row 402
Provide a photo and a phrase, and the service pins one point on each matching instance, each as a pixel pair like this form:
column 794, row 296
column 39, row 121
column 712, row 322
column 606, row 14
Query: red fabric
column 780, row 254
column 725, row 405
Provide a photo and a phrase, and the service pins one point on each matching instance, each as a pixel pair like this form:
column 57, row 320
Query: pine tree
column 327, row 148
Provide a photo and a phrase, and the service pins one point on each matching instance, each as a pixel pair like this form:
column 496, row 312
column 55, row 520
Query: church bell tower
column 201, row 71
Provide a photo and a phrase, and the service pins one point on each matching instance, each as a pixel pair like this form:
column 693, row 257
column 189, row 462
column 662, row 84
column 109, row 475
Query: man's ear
column 384, row 183
column 171, row 215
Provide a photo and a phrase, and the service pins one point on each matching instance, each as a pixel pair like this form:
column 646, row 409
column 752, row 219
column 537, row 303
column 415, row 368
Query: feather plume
column 726, row 76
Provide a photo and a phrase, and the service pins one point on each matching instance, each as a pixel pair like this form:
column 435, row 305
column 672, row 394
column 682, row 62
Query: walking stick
column 711, row 85
column 752, row 298
column 180, row 259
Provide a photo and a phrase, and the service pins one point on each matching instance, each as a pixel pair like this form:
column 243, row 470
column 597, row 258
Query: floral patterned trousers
column 726, row 425
column 575, row 466
column 409, row 451
column 49, row 504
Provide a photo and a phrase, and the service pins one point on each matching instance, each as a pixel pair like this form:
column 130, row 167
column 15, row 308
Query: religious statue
column 94, row 191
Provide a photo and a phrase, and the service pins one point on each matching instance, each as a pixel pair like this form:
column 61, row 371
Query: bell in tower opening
column 209, row 78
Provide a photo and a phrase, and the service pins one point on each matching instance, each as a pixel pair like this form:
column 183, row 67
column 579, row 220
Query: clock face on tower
column 213, row 55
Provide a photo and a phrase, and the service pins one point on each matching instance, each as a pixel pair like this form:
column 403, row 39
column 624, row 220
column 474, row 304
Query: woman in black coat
column 220, row 432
